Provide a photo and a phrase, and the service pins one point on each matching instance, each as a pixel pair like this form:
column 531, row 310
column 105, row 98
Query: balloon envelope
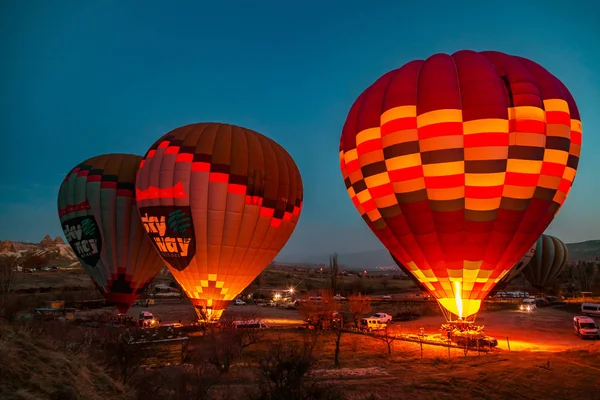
column 517, row 268
column 551, row 256
column 219, row 202
column 97, row 210
column 409, row 274
column 458, row 163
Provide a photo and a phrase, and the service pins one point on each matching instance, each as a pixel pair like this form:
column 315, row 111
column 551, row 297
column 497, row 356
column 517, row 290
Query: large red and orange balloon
column 458, row 163
column 219, row 202
column 97, row 210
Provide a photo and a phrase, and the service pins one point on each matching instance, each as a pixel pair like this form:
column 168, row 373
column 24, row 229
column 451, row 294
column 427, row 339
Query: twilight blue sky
column 80, row 78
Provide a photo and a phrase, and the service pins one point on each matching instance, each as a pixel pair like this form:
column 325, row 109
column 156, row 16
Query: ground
column 546, row 359
column 545, row 329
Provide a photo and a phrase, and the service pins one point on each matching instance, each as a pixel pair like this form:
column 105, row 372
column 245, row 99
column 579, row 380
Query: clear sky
column 80, row 78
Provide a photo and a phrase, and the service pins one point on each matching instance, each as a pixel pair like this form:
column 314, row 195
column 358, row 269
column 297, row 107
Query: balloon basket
column 207, row 316
column 462, row 326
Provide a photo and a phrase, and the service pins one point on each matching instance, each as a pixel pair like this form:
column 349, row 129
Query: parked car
column 474, row 342
column 585, row 327
column 239, row 302
column 147, row 320
column 527, row 305
column 590, row 309
column 382, row 317
column 372, row 324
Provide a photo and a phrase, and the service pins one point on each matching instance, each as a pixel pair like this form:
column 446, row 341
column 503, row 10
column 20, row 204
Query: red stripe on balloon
column 176, row 192
column 108, row 185
column 267, row 212
column 184, row 157
column 172, row 150
column 236, row 189
column 218, row 177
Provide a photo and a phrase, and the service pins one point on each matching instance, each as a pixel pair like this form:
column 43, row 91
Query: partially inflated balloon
column 97, row 210
column 458, row 163
column 219, row 202
column 550, row 257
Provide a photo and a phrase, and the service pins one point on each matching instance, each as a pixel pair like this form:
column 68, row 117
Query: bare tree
column 9, row 275
column 584, row 272
column 324, row 315
column 386, row 336
column 123, row 351
column 338, row 326
column 333, row 271
column 228, row 343
column 359, row 305
column 284, row 373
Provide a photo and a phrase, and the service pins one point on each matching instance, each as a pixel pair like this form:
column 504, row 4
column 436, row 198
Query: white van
column 590, row 309
column 585, row 327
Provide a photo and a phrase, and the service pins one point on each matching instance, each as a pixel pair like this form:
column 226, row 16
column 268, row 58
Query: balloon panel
column 458, row 163
column 409, row 274
column 218, row 202
column 547, row 263
column 97, row 210
column 518, row 267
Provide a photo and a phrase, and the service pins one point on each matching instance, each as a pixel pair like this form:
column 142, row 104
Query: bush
column 284, row 370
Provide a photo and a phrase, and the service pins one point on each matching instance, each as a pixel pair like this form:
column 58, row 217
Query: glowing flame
column 458, row 298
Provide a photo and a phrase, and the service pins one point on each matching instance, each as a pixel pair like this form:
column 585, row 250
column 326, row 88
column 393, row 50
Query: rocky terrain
column 48, row 252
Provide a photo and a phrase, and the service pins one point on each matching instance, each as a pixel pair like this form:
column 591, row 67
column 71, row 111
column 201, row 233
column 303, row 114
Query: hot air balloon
column 458, row 163
column 219, row 202
column 97, row 210
column 516, row 269
column 551, row 256
column 409, row 274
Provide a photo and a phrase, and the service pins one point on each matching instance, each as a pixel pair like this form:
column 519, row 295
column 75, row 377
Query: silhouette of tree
column 333, row 271
column 359, row 305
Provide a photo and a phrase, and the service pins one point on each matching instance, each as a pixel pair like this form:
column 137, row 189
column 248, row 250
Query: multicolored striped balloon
column 97, row 210
column 458, row 163
column 219, row 202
